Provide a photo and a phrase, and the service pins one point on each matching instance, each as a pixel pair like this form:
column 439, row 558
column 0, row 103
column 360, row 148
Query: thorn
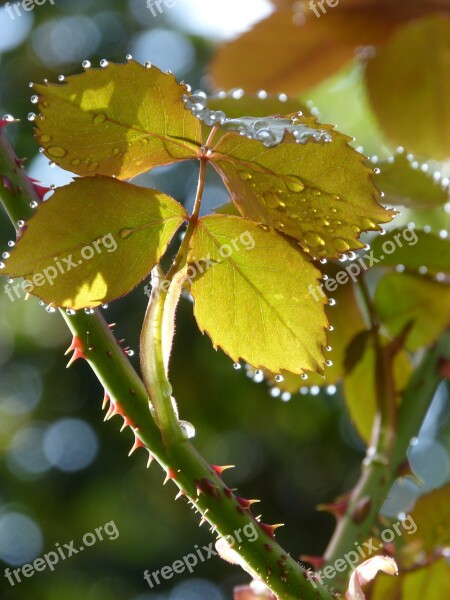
column 180, row 493
column 246, row 503
column 78, row 350
column 337, row 509
column 202, row 521
column 150, row 460
column 316, row 561
column 170, row 475
column 111, row 412
column 207, row 487
column 220, row 470
column 106, row 399
column 7, row 184
column 123, row 425
column 137, row 444
column 270, row 529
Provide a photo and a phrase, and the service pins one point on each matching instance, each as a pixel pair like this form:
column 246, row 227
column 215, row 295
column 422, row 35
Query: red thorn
column 6, row 122
column 444, row 368
column 137, row 444
column 246, row 503
column 338, row 509
column 78, row 350
column 268, row 547
column 228, row 492
column 317, row 562
column 7, row 184
column 41, row 190
column 270, row 529
column 207, row 487
column 180, row 493
column 220, row 470
column 362, row 509
column 106, row 399
column 170, row 475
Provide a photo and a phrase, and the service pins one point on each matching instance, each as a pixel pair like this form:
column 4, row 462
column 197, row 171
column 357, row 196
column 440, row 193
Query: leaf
column 360, row 388
column 284, row 53
column 402, row 298
column 121, row 120
column 409, row 87
column 320, row 194
column 432, row 518
column 255, row 304
column 418, row 249
column 347, row 322
column 94, row 241
column 408, row 186
column 429, row 583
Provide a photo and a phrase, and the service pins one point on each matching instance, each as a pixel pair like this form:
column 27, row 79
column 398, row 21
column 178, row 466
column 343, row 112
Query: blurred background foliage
column 63, row 472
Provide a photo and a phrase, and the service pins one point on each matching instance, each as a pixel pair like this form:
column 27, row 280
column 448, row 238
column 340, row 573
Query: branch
column 198, row 481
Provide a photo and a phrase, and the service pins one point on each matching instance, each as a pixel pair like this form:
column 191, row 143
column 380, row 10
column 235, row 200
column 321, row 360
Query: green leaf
column 409, row 87
column 408, row 186
column 360, row 388
column 320, row 194
column 255, row 304
column 418, row 249
column 121, row 120
column 428, row 583
column 402, row 298
column 94, row 241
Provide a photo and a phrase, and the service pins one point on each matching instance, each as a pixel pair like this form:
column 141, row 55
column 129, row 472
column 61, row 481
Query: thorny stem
column 389, row 443
column 199, row 482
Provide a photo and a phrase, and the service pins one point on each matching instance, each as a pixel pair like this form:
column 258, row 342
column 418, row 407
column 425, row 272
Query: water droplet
column 93, row 167
column 33, row 204
column 367, row 223
column 286, row 396
column 331, row 302
column 50, row 309
column 70, row 312
column 20, row 224
column 313, row 239
column 5, row 255
column 329, row 363
column 331, row 328
column 294, row 184
column 129, row 57
column 105, row 306
column 304, row 376
column 103, row 63
column 279, row 378
column 100, row 118
column 328, row 348
column 34, row 99
column 31, row 116
column 57, row 151
column 188, row 429
column 86, row 64
column 116, row 151
column 11, row 244
column 323, row 261
column 130, row 352
column 148, row 64
column 8, row 118
column 275, row 392
column 75, row 162
column 237, row 366
column 61, row 78
column 45, row 138
column 89, row 311
column 264, row 227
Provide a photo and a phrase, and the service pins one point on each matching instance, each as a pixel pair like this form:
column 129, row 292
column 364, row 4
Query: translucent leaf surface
column 121, row 120
column 322, row 194
column 254, row 303
column 94, row 241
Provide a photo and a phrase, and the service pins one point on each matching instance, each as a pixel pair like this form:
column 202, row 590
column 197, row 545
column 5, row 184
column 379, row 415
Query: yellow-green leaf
column 417, row 250
column 322, row 194
column 94, row 241
column 401, row 299
column 347, row 323
column 403, row 182
column 121, row 120
column 236, row 104
column 432, row 518
column 360, row 386
column 255, row 304
column 409, row 87
column 428, row 583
